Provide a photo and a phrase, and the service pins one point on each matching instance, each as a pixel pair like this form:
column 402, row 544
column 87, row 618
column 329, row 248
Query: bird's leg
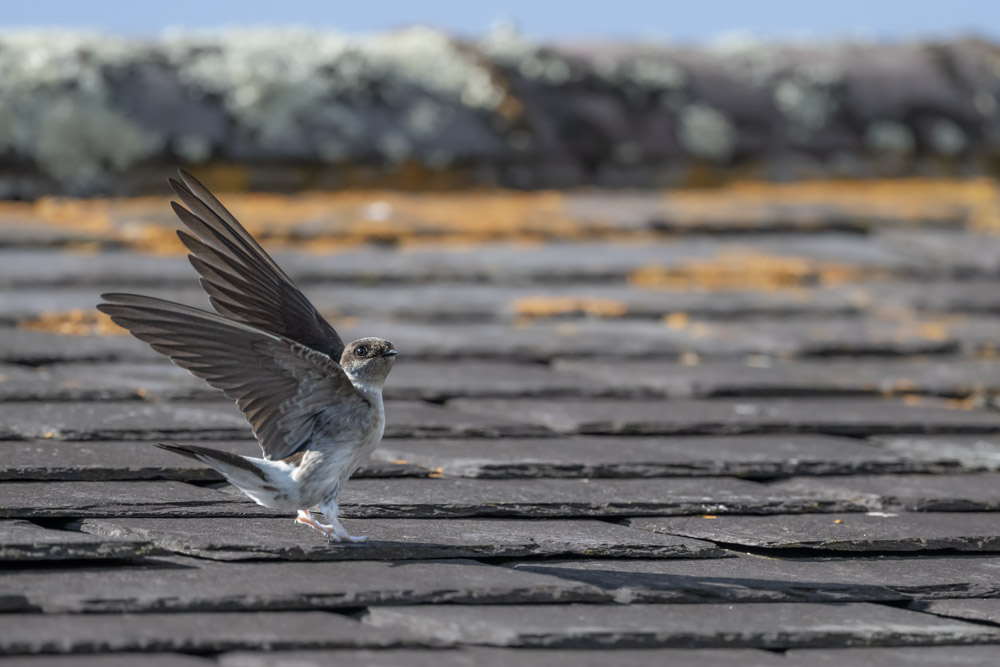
column 330, row 510
column 306, row 518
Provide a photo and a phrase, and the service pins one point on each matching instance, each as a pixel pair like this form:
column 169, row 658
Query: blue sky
column 693, row 20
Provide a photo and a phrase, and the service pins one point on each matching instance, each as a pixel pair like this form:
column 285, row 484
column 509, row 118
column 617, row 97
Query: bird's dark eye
column 361, row 351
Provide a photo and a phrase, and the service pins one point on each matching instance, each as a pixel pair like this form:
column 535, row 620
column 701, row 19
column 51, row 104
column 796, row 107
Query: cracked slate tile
column 196, row 633
column 723, row 416
column 876, row 532
column 747, row 456
column 401, row 539
column 772, row 626
column 771, row 578
column 191, row 585
column 25, row 541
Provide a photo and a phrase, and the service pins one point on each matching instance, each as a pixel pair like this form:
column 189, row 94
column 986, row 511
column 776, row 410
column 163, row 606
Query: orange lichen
column 77, row 322
column 548, row 306
column 739, row 269
column 676, row 321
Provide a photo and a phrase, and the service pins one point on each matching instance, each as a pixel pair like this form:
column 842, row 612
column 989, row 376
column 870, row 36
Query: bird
column 314, row 403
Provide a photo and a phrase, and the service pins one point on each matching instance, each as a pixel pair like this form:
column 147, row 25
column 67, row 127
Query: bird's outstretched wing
column 283, row 388
column 242, row 281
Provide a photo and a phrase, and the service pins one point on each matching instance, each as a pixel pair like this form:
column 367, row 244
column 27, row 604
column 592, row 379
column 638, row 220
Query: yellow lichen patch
column 676, row 321
column 936, row 331
column 739, row 269
column 546, row 306
column 78, row 322
column 689, row 359
column 974, row 202
column 913, row 399
column 967, row 403
column 437, row 473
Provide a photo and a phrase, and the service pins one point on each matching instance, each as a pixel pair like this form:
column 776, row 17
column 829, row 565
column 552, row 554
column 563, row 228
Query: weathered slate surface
column 913, row 493
column 434, row 498
column 400, row 539
column 110, row 660
column 770, row 578
column 80, row 499
column 186, row 585
column 749, row 456
column 196, row 633
column 976, row 452
column 475, row 656
column 947, row 376
column 211, row 420
column 876, row 532
column 729, row 416
column 110, row 460
column 25, row 541
column 638, row 625
column 927, row 656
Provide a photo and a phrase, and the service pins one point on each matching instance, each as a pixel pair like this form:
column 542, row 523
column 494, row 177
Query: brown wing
column 282, row 387
column 242, row 281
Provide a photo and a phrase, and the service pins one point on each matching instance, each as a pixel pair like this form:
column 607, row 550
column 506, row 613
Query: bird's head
column 369, row 360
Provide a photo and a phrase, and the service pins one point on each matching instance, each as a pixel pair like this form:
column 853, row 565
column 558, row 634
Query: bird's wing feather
column 281, row 386
column 242, row 281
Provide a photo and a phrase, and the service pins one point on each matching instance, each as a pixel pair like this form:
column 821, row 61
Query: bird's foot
column 340, row 534
column 306, row 518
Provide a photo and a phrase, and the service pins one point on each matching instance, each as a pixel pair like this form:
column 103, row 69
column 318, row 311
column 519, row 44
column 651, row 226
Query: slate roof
column 751, row 462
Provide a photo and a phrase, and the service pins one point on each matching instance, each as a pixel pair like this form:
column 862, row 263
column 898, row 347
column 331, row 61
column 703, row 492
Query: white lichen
column 887, row 136
column 947, row 138
column 706, row 133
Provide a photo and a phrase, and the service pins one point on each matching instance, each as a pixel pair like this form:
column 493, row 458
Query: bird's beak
column 390, row 353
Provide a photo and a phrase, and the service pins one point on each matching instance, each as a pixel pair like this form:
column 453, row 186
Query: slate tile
column 980, row 611
column 748, row 456
column 774, row 626
column 925, row 656
column 877, row 532
column 474, row 656
column 34, row 348
column 136, row 420
column 770, row 578
column 732, row 416
column 457, row 497
column 975, row 452
column 25, row 541
column 948, row 377
column 978, row 492
column 104, row 382
column 82, row 499
column 196, row 633
column 109, row 660
column 193, row 585
column 400, row 539
column 129, row 460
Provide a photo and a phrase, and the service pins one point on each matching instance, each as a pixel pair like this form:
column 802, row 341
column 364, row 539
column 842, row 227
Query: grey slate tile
column 981, row 611
column 978, row 492
column 769, row 578
column 25, row 541
column 457, row 497
column 197, row 633
column 925, row 656
column 136, row 420
column 975, row 452
column 400, row 539
column 500, row 657
column 81, row 499
column 947, row 376
column 748, row 456
column 194, row 585
column 775, row 626
column 109, row 660
column 871, row 533
column 732, row 416
column 111, row 460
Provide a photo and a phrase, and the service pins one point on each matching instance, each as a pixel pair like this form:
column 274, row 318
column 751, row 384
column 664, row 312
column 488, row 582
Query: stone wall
column 85, row 113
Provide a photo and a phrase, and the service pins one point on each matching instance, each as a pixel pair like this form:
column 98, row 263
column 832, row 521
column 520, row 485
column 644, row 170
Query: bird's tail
column 240, row 471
